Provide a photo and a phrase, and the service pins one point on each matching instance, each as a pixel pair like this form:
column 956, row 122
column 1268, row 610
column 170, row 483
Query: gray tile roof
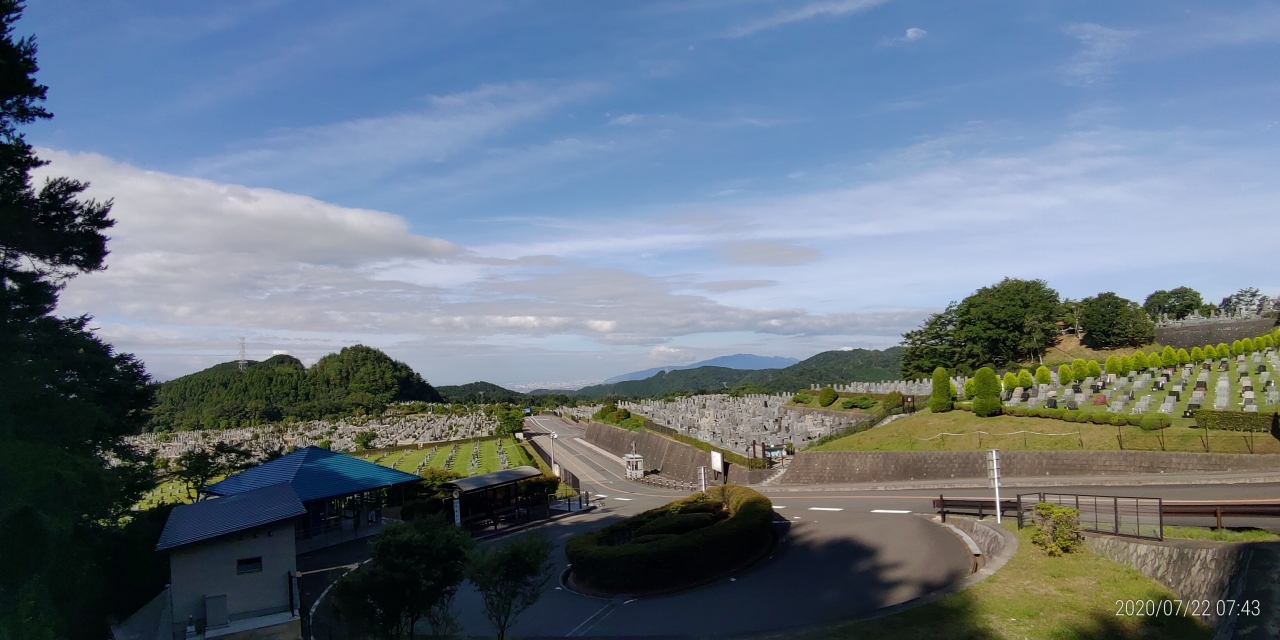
column 209, row 519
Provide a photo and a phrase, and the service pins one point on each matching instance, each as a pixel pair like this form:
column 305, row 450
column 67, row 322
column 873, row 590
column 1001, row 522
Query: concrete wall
column 822, row 467
column 1192, row 569
column 983, row 534
column 1200, row 335
column 672, row 459
column 209, row 568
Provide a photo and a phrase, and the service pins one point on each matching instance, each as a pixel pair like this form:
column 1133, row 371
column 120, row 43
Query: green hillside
column 829, row 367
column 480, row 392
column 358, row 379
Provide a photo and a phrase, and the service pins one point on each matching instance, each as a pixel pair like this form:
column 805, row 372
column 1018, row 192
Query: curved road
column 844, row 553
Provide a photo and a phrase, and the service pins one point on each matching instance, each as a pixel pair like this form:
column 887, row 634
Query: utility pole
column 242, row 362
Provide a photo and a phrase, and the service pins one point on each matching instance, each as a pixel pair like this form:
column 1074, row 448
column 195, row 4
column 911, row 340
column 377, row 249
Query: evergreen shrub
column 986, row 393
column 942, row 399
column 1155, row 422
column 827, row 396
column 612, row 559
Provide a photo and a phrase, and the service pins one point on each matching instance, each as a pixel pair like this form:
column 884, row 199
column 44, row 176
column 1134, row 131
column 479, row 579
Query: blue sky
column 532, row 192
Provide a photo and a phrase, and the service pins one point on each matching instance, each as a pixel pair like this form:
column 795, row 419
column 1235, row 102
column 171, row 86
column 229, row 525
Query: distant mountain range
column 745, row 361
column 828, row 367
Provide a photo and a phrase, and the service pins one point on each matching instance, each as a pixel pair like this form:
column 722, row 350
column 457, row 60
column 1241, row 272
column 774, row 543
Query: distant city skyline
column 568, row 191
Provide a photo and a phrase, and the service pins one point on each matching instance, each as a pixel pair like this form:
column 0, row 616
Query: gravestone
column 1099, row 400
column 1072, row 406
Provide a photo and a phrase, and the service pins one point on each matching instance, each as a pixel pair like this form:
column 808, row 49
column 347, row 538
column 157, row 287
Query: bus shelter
column 488, row 498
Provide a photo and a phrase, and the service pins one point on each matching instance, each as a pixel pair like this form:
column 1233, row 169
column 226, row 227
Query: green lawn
column 1036, row 597
column 1221, row 535
column 959, row 431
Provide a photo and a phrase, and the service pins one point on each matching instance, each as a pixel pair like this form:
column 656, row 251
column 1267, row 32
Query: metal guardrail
column 979, row 507
column 1113, row 515
column 1125, row 516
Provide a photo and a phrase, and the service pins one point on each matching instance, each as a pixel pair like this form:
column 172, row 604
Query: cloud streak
column 807, row 12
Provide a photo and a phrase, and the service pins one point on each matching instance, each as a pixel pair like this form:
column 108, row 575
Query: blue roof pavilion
column 314, row 474
column 209, row 519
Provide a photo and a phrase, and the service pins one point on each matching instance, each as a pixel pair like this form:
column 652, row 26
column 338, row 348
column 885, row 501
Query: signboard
column 717, row 462
column 555, row 468
column 457, row 507
column 775, row 451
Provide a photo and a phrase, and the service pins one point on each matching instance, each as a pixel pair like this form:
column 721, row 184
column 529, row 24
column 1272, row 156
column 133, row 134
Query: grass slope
column 1036, row 597
column 909, row 434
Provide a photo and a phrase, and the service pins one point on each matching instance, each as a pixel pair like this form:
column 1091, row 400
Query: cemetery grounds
column 468, row 457
column 960, row 430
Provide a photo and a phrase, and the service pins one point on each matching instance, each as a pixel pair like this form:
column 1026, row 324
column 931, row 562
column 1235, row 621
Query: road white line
column 825, row 509
column 779, row 506
column 627, row 499
column 888, row 511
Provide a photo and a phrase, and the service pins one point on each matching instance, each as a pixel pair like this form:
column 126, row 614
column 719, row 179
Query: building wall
column 209, row 568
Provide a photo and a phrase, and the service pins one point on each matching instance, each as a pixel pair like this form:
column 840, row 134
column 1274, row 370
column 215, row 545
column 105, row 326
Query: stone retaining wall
column 672, row 459
column 1192, row 569
column 1185, row 337
column 823, row 467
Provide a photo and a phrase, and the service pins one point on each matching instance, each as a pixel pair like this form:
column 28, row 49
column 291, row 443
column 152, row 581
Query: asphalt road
column 843, row 553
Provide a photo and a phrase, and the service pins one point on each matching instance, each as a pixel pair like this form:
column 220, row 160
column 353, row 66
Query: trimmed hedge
column 614, row 559
column 1155, row 422
column 1235, row 420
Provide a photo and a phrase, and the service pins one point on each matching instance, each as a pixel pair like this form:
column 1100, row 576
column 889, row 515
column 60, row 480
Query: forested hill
column 481, row 393
column 357, row 379
column 829, row 367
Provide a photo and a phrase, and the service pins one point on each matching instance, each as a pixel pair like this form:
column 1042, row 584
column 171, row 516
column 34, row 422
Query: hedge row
column 1148, row 421
column 638, row 554
column 1236, row 420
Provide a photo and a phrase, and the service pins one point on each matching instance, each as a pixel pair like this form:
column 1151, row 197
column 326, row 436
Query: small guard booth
column 488, row 498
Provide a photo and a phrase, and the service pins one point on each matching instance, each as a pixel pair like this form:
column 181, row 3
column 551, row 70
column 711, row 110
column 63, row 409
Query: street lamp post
column 554, row 435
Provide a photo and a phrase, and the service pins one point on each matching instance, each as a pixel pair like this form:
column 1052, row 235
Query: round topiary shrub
column 1134, row 420
column 1155, row 422
column 1099, row 417
column 827, row 396
column 1057, row 413
column 1118, row 421
column 986, row 393
column 1070, row 415
column 675, row 545
column 802, row 398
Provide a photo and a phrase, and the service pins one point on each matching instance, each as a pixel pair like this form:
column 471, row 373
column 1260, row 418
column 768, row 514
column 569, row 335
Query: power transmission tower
column 243, row 362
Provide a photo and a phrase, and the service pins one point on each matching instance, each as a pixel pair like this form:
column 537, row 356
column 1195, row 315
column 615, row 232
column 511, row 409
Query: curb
column 1037, row 481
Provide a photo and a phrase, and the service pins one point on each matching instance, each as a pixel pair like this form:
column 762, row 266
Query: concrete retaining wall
column 983, row 533
column 672, row 459
column 1202, row 334
column 1193, row 569
column 822, row 467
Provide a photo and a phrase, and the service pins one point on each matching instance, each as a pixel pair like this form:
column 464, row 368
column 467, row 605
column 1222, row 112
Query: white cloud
column 774, row 254
column 813, row 10
column 1099, row 48
column 368, row 149
column 912, row 34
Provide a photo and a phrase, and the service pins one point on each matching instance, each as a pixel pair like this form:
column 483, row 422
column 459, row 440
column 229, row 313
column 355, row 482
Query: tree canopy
column 1110, row 322
column 66, row 397
column 1010, row 321
column 356, row 380
column 1177, row 303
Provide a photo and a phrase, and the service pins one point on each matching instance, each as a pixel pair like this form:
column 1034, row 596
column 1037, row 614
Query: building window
column 249, row 565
